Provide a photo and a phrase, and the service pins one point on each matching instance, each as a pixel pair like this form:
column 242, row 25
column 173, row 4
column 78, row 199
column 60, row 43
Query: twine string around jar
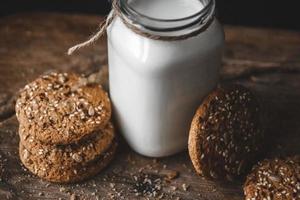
column 117, row 12
column 103, row 26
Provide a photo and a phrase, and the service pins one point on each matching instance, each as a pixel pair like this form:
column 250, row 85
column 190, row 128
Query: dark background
column 260, row 13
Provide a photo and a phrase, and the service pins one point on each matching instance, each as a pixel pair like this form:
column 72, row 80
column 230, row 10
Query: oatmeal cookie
column 277, row 179
column 65, row 174
column 226, row 133
column 61, row 108
column 71, row 154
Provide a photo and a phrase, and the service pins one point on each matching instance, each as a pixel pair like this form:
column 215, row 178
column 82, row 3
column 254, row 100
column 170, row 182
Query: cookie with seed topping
column 61, row 108
column 277, row 179
column 226, row 133
column 65, row 174
column 72, row 154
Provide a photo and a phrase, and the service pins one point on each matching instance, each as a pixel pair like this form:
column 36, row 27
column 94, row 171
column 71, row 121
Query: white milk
column 155, row 85
column 166, row 9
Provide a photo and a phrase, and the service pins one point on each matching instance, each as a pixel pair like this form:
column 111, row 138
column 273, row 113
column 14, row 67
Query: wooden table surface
column 267, row 61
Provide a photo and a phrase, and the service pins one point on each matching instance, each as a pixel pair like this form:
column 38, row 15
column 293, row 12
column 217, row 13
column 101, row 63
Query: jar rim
column 201, row 17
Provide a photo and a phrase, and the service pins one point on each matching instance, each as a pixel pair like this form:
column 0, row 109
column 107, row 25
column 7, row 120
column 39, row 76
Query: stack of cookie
column 65, row 130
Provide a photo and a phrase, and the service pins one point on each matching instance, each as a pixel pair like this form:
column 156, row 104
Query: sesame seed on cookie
column 61, row 108
column 72, row 154
column 277, row 179
column 226, row 133
column 64, row 173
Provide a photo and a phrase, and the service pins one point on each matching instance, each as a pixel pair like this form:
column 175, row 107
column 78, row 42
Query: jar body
column 156, row 86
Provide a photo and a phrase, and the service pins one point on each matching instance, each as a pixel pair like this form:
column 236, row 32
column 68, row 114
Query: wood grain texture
column 267, row 61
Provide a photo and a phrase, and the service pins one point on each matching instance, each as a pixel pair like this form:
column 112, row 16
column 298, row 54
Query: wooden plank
column 267, row 61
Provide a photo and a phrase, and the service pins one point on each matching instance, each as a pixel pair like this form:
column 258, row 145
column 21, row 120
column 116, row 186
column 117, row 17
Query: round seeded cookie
column 65, row 174
column 277, row 179
column 69, row 155
column 226, row 133
column 62, row 108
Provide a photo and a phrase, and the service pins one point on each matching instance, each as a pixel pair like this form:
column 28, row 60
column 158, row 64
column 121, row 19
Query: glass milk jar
column 164, row 58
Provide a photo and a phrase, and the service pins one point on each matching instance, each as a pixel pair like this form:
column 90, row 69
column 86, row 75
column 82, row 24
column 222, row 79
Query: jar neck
column 153, row 17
